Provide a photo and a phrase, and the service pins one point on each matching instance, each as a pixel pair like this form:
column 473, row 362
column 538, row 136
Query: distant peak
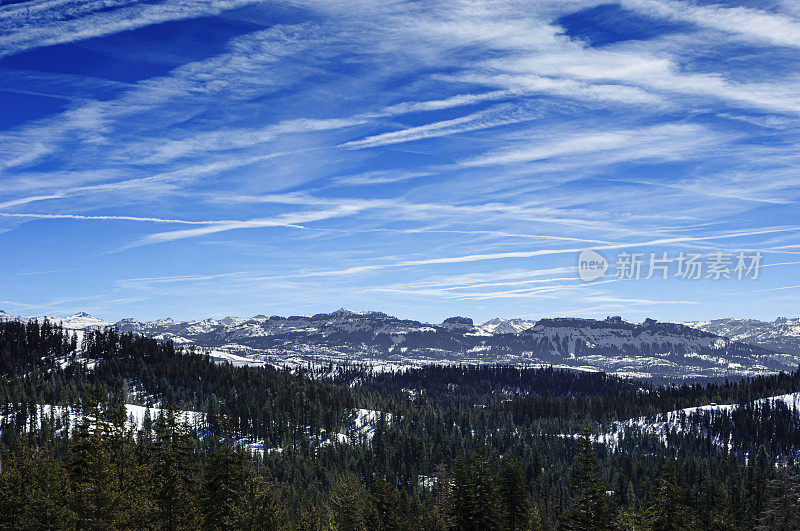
column 347, row 312
column 458, row 321
column 499, row 325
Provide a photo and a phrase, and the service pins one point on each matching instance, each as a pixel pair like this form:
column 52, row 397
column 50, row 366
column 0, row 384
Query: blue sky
column 192, row 158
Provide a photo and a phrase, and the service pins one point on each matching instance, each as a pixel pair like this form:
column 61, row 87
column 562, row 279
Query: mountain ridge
column 647, row 349
column 782, row 334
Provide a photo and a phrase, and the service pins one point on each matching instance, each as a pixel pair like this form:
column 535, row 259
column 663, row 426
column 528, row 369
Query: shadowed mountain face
column 648, row 349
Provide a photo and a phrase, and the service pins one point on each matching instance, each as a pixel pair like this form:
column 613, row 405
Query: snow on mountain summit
column 76, row 321
column 80, row 321
column 507, row 326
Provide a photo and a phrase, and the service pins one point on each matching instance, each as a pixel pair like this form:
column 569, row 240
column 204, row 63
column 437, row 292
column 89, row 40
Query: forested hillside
column 347, row 448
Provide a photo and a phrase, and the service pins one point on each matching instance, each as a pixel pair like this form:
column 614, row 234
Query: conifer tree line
column 509, row 448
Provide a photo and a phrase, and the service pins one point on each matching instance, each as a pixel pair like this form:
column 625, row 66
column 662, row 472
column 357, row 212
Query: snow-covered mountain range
column 77, row 321
column 649, row 349
column 782, row 334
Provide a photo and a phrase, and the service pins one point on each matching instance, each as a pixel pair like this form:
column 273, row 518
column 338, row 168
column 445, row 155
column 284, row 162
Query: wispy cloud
column 236, row 73
column 493, row 117
column 654, row 142
column 548, row 252
column 751, row 24
column 650, row 71
column 109, row 218
column 287, row 220
column 413, row 147
column 241, row 138
column 378, row 177
column 627, row 300
column 63, row 22
column 445, row 103
column 567, row 88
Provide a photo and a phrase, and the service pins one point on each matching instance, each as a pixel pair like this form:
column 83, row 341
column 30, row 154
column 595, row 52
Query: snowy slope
column 680, row 420
column 65, row 419
column 71, row 416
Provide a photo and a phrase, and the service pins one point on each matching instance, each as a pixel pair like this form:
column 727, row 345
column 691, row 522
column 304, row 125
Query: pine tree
column 176, row 492
column 14, row 467
column 350, row 504
column 313, row 518
column 666, row 510
column 34, row 490
column 515, row 496
column 782, row 510
column 442, row 491
column 224, row 475
column 256, row 507
column 379, row 445
column 147, row 424
column 590, row 505
column 386, row 501
column 535, row 520
column 133, row 468
column 432, row 520
column 490, row 510
column 138, row 483
column 722, row 517
column 48, row 494
column 631, row 520
column 463, row 506
column 97, row 497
